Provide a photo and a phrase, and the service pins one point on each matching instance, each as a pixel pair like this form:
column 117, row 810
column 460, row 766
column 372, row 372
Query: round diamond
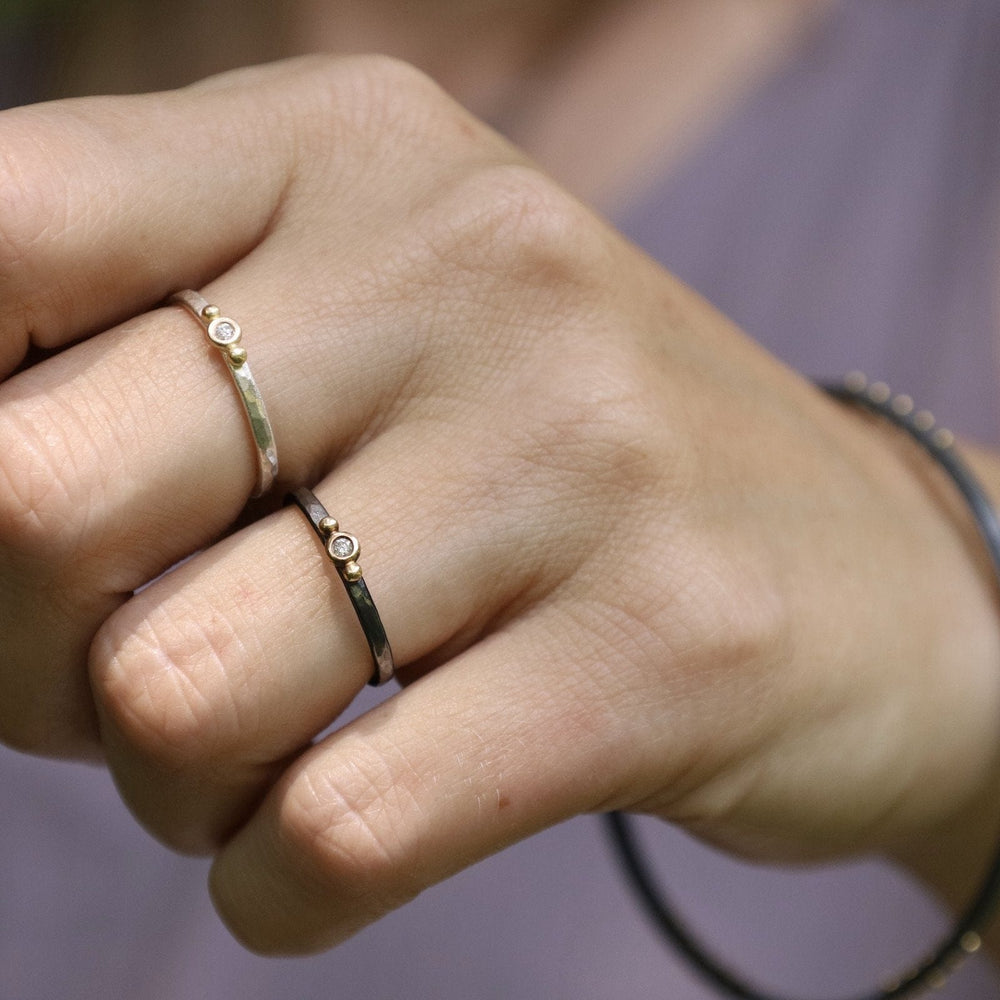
column 224, row 331
column 343, row 547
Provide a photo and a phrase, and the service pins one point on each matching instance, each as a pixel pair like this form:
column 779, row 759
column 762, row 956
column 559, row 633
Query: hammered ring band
column 344, row 551
column 225, row 334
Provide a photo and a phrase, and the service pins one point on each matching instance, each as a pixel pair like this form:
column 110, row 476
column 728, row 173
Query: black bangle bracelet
column 964, row 938
column 343, row 551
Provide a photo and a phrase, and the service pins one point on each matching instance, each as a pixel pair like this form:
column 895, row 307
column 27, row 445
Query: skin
column 625, row 558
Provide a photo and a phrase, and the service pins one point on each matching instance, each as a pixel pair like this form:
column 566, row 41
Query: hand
column 625, row 559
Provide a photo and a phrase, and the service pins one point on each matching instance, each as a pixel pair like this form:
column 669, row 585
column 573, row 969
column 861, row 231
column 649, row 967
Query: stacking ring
column 344, row 552
column 225, row 334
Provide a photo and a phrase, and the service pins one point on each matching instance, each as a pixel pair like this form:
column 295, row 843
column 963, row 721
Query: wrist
column 952, row 853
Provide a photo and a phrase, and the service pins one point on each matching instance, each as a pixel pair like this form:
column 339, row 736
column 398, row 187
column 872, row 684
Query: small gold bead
column 924, row 420
column 970, row 942
column 879, row 392
column 937, row 980
column 328, row 525
column 211, row 312
column 856, row 382
column 352, row 571
column 237, row 355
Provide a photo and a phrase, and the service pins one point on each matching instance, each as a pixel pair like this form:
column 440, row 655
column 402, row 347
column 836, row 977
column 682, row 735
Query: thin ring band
column 225, row 334
column 344, row 551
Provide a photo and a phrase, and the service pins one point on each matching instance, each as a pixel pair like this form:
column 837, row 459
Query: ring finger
column 209, row 679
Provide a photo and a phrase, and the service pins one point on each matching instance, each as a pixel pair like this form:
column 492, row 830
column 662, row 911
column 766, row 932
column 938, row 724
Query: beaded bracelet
column 964, row 938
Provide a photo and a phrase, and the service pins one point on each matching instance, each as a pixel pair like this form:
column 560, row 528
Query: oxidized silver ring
column 225, row 334
column 344, row 551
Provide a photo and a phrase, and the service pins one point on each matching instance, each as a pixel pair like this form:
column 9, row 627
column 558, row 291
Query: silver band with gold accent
column 344, row 551
column 225, row 334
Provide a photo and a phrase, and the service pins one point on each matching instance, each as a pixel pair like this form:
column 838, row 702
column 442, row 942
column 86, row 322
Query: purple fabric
column 849, row 216
column 846, row 217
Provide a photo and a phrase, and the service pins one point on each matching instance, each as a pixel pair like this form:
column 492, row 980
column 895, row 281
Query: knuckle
column 161, row 684
column 736, row 620
column 345, row 826
column 508, row 220
column 727, row 643
column 380, row 107
column 692, row 634
column 382, row 82
column 607, row 398
column 597, row 420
